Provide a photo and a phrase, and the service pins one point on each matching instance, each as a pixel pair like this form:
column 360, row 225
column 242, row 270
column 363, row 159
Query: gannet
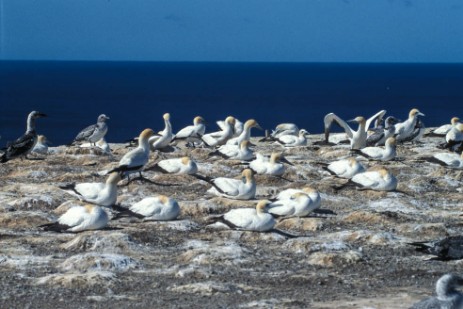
column 292, row 140
column 193, row 133
column 41, row 146
column 220, row 137
column 357, row 138
column 405, row 129
column 376, row 178
column 238, row 189
column 101, row 143
column 94, row 132
column 379, row 135
column 449, row 159
column 23, row 145
column 454, row 136
column 246, row 133
column 237, row 127
column 345, row 168
column 285, row 129
column 134, row 160
column 272, row 166
column 234, row 152
column 298, row 204
column 381, row 154
column 182, row 165
column 249, row 219
column 78, row 219
column 444, row 129
column 449, row 248
column 103, row 194
column 448, row 297
column 165, row 137
column 158, row 208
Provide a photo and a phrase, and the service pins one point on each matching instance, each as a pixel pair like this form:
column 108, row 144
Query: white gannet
column 103, row 194
column 78, row 219
column 376, row 178
column 249, row 219
column 23, row 145
column 183, row 165
column 357, row 138
column 238, row 189
column 246, row 133
column 94, row 132
column 272, row 166
column 165, row 137
column 41, row 147
column 234, row 152
column 345, row 168
column 158, row 208
column 298, row 204
column 237, row 127
column 134, row 160
column 448, row 297
column 192, row 133
column 292, row 140
column 449, row 159
column 404, row 129
column 220, row 137
column 379, row 135
column 444, row 129
column 101, row 143
column 454, row 136
column 381, row 154
column 285, row 129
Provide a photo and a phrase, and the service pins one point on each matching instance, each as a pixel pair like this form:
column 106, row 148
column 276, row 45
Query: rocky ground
column 358, row 258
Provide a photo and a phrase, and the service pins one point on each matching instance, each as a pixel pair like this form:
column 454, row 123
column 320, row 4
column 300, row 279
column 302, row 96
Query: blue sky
column 234, row 30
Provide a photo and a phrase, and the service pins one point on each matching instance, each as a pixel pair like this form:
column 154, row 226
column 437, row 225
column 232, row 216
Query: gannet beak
column 42, row 115
column 351, row 120
column 421, row 114
column 259, row 127
column 286, row 161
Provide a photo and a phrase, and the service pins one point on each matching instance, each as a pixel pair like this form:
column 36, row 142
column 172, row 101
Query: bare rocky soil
column 358, row 258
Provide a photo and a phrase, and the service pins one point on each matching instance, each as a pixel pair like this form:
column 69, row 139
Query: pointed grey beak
column 259, row 127
column 286, row 161
column 41, row 115
column 421, row 114
column 351, row 120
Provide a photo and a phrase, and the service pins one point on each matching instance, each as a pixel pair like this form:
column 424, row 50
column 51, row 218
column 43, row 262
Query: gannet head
column 102, row 118
column 185, row 160
column 391, row 120
column 352, row 161
column 36, row 114
column 309, row 190
column 248, row 175
column 382, row 171
column 198, row 120
column 358, row 119
column 42, row 139
column 454, row 120
column 261, row 205
column 113, row 178
column 251, row 123
column 166, row 116
column 164, row 199
column 415, row 112
column 89, row 208
column 447, row 284
column 303, row 132
column 230, row 120
column 278, row 157
column 391, row 141
column 146, row 134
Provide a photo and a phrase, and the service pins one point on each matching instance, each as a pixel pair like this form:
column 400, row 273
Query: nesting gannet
column 41, row 146
column 298, row 204
column 134, row 160
column 449, row 159
column 448, row 297
column 103, row 194
column 193, row 133
column 234, row 152
column 237, row 127
column 357, row 138
column 78, row 219
column 345, row 168
column 376, row 178
column 238, row 189
column 444, row 129
column 285, row 129
column 405, row 129
column 220, row 137
column 381, row 154
column 246, row 133
column 101, row 143
column 249, row 219
column 272, row 166
column 292, row 140
column 449, row 248
column 165, row 137
column 379, row 135
column 183, row 165
column 23, row 145
column 158, row 208
column 94, row 132
column 454, row 137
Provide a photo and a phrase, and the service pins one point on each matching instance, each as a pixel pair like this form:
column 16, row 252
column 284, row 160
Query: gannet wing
column 372, row 118
column 86, row 133
column 328, row 120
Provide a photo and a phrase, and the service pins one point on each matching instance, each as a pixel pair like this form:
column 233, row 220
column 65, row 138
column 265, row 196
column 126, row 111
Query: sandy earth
column 358, row 258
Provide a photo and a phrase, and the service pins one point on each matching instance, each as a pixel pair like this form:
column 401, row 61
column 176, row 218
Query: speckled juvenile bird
column 93, row 133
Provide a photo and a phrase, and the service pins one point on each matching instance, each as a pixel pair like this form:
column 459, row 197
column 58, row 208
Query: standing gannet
column 292, row 140
column 448, row 297
column 376, row 178
column 379, row 135
column 163, row 140
column 182, row 165
column 444, row 129
column 249, row 219
column 345, row 168
column 220, row 137
column 103, row 194
column 234, row 152
column 272, row 166
column 134, row 160
column 285, row 129
column 449, row 159
column 23, row 145
column 192, row 134
column 381, row 154
column 298, row 204
column 78, row 219
column 237, row 127
column 158, row 208
column 404, row 129
column 246, row 133
column 41, row 146
column 454, row 137
column 94, row 132
column 238, row 189
column 357, row 138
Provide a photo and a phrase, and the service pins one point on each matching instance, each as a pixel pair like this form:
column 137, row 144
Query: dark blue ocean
column 136, row 94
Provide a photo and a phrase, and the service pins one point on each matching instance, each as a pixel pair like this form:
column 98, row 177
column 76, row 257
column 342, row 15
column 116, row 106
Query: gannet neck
column 30, row 123
column 260, row 207
column 113, row 179
column 143, row 139
column 198, row 120
column 447, row 284
column 244, row 145
column 248, row 176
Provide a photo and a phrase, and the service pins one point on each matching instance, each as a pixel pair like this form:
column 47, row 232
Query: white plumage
column 444, row 129
column 272, row 166
column 245, row 134
column 285, row 129
column 382, row 154
column 193, row 132
column 292, row 140
column 298, row 204
column 235, row 152
column 238, row 189
column 405, row 129
column 163, row 140
column 345, row 168
column 182, row 165
column 221, row 137
column 237, row 127
column 80, row 218
column 41, row 147
column 376, row 178
column 159, row 208
column 251, row 219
